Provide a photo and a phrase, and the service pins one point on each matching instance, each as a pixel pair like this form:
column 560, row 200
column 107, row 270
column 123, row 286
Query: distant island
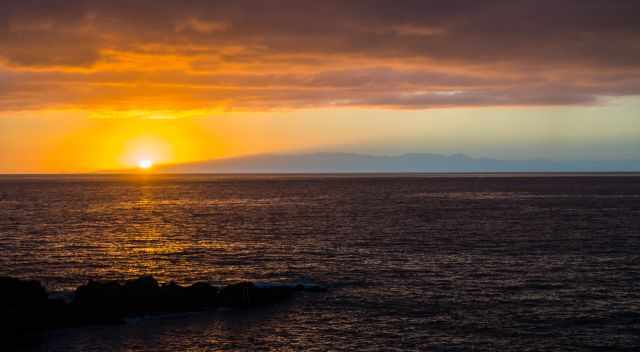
column 414, row 162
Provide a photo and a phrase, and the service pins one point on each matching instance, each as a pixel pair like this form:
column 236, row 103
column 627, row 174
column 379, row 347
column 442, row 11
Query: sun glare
column 145, row 164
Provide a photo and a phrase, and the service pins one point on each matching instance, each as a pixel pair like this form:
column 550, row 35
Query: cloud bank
column 261, row 55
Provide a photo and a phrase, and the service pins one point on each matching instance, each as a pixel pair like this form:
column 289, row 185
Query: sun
column 145, row 164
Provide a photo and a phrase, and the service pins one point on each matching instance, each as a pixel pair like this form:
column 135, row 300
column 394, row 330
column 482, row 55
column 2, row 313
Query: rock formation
column 28, row 310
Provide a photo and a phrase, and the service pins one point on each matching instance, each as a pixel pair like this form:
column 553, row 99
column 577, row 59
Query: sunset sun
column 145, row 164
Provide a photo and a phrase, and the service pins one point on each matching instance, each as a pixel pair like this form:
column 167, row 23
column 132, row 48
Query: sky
column 95, row 85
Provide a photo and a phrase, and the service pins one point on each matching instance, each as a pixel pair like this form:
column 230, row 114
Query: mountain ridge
column 342, row 162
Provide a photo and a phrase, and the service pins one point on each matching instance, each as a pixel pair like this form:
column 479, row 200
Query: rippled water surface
column 508, row 263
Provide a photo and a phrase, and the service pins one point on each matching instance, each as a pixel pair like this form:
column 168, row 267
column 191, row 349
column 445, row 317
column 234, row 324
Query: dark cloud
column 401, row 54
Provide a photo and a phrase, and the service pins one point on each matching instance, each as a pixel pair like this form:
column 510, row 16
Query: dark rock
column 246, row 294
column 57, row 314
column 141, row 296
column 176, row 298
column 202, row 295
column 112, row 301
column 26, row 308
column 19, row 294
column 23, row 306
column 99, row 303
column 141, row 287
column 173, row 297
column 237, row 295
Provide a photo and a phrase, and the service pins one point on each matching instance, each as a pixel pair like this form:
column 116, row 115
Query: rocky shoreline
column 28, row 309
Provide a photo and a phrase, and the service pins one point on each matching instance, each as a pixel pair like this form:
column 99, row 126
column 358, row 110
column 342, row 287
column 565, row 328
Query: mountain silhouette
column 414, row 162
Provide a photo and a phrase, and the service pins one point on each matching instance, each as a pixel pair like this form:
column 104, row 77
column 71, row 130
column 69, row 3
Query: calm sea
column 413, row 262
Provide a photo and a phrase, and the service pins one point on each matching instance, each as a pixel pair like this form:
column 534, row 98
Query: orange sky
column 91, row 85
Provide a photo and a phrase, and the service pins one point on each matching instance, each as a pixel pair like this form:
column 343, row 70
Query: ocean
column 469, row 262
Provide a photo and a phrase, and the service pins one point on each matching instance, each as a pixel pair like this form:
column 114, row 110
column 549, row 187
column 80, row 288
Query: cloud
column 200, row 26
column 292, row 54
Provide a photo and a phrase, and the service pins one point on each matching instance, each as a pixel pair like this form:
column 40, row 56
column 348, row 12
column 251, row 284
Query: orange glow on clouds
column 96, row 85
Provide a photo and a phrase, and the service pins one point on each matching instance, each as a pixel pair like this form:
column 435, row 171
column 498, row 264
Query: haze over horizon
column 412, row 162
column 91, row 85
